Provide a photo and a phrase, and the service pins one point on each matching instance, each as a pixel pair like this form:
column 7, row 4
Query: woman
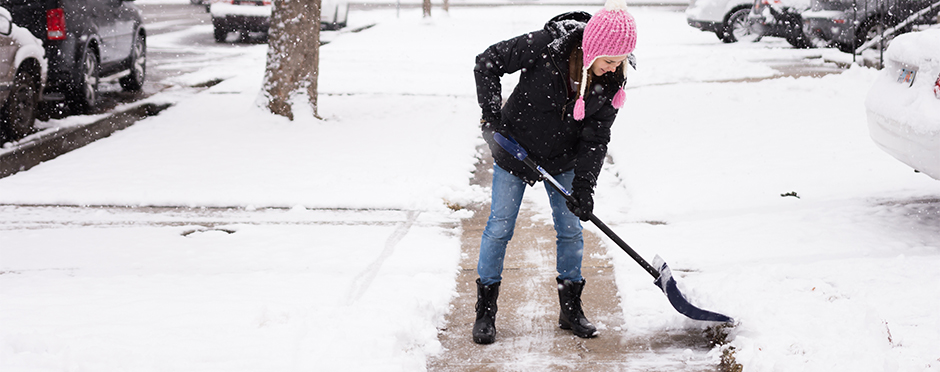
column 561, row 111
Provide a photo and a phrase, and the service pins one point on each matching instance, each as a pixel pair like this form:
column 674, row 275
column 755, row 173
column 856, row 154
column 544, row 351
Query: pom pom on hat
column 579, row 109
column 619, row 99
column 610, row 32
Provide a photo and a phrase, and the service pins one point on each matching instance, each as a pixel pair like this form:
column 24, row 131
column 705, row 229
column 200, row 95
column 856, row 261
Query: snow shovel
column 662, row 275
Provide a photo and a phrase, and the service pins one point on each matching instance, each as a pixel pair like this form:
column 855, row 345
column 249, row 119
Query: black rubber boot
column 572, row 316
column 484, row 329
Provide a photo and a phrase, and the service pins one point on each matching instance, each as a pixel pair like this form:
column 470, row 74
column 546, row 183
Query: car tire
column 737, row 27
column 19, row 111
column 795, row 34
column 134, row 81
column 83, row 93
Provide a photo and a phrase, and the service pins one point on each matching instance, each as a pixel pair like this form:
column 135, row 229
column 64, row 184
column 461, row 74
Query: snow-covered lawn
column 329, row 245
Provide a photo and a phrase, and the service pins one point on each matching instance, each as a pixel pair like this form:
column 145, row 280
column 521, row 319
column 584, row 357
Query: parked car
column 847, row 24
column 903, row 105
column 255, row 16
column 86, row 40
column 23, row 71
column 749, row 20
column 726, row 18
column 780, row 19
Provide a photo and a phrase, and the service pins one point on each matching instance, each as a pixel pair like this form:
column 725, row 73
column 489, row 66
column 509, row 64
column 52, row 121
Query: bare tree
column 293, row 55
column 426, row 6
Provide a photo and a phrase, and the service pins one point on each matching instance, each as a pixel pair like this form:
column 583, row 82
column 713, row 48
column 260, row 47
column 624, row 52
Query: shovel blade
column 668, row 284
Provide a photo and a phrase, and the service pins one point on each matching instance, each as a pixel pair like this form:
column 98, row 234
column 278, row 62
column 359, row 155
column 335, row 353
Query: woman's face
column 605, row 64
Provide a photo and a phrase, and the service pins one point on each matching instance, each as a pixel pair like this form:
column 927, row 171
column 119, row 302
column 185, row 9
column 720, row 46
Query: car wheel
column 737, row 28
column 19, row 111
column 795, row 34
column 134, row 81
column 83, row 94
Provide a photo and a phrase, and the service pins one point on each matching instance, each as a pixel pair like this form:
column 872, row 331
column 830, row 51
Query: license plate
column 907, row 77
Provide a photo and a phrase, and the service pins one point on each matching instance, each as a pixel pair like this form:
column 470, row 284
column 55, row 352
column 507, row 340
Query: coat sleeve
column 502, row 58
column 592, row 147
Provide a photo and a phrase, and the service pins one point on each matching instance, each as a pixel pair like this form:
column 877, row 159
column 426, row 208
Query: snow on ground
column 328, row 244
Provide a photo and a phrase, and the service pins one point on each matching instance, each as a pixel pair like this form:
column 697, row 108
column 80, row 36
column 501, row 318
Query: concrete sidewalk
column 528, row 337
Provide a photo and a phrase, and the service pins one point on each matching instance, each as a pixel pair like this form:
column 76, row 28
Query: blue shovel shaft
column 513, row 147
column 663, row 275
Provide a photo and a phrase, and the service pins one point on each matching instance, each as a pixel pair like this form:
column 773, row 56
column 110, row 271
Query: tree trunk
column 293, row 56
column 426, row 6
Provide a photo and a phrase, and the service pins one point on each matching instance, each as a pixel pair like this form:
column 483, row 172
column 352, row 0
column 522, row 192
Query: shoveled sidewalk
column 528, row 337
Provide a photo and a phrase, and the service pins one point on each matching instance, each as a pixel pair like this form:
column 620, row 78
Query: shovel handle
column 625, row 247
column 513, row 147
column 663, row 279
column 510, row 145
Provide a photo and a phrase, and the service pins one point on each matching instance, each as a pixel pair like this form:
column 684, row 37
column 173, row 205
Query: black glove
column 584, row 206
column 493, row 125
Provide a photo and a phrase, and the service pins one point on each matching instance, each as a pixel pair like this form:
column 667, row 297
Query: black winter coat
column 538, row 113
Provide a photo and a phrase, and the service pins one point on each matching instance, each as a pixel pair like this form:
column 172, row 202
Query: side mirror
column 6, row 25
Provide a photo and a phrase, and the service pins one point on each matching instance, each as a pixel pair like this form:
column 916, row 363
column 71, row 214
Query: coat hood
column 566, row 28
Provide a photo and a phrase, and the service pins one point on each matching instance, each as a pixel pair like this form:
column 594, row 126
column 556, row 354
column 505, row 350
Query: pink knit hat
column 610, row 32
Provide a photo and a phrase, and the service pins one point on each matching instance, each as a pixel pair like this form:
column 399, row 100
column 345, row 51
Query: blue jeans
column 504, row 208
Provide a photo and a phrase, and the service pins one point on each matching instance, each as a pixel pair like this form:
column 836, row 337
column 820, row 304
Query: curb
column 61, row 141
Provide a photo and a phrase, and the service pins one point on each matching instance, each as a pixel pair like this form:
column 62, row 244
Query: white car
column 23, row 71
column 728, row 19
column 903, row 104
column 255, row 16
